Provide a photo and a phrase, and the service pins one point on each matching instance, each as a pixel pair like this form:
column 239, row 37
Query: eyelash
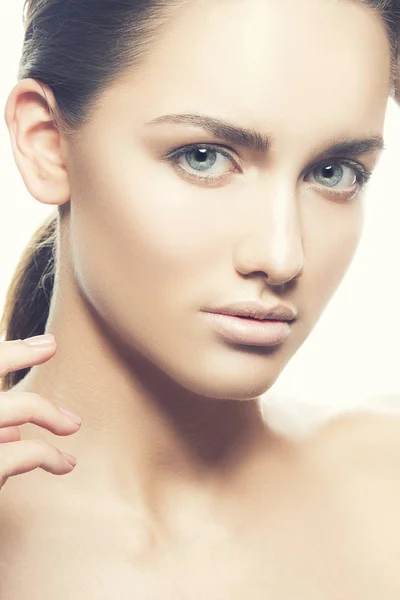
column 362, row 174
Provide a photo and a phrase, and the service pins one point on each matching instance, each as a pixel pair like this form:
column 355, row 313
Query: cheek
column 139, row 242
column 145, row 226
column 329, row 249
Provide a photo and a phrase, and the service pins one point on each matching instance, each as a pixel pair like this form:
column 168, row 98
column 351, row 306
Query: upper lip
column 255, row 310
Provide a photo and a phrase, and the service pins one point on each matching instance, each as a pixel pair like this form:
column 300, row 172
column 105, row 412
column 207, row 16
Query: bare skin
column 181, row 488
column 316, row 518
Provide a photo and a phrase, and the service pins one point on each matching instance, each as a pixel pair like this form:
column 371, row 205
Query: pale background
column 353, row 353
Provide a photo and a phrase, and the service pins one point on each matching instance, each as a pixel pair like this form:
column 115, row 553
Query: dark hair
column 78, row 48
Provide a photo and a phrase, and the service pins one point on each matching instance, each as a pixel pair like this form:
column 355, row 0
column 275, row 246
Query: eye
column 204, row 162
column 207, row 163
column 343, row 177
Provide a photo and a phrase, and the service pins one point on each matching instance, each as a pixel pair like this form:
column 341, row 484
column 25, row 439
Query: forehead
column 286, row 62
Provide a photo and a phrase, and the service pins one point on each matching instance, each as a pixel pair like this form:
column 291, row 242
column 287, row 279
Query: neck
column 142, row 434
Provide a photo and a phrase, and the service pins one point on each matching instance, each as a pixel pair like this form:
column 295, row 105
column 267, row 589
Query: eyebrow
column 250, row 138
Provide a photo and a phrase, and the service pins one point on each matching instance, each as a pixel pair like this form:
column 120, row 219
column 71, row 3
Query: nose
column 272, row 244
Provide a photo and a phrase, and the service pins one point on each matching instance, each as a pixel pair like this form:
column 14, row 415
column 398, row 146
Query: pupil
column 329, row 171
column 202, row 154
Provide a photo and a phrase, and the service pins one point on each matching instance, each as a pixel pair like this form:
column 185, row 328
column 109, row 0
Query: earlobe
column 36, row 142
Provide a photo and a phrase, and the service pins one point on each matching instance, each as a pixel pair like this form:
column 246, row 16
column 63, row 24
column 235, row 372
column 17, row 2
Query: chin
column 241, row 384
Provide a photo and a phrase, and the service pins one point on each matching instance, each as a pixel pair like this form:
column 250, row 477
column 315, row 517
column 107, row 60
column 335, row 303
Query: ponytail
column 28, row 296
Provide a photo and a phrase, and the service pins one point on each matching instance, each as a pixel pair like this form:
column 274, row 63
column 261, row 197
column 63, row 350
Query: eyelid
column 230, row 151
column 224, row 150
column 360, row 169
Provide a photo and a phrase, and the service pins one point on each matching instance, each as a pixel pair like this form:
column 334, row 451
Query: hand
column 17, row 408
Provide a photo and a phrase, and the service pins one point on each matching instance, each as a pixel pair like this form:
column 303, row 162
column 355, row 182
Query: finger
column 24, row 456
column 18, row 408
column 18, row 354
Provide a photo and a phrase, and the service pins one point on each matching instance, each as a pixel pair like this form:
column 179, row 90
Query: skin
column 170, row 412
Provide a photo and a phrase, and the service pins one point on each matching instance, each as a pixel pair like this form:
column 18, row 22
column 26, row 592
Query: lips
column 256, row 311
column 251, row 323
column 248, row 331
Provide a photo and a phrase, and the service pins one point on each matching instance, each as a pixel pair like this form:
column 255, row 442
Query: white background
column 353, row 351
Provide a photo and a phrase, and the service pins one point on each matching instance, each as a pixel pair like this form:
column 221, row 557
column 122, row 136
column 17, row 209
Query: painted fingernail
column 40, row 340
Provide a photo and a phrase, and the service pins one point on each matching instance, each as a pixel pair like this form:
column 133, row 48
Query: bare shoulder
column 359, row 440
column 356, row 458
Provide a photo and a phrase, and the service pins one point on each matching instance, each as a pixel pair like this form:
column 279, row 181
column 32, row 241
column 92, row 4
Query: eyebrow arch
column 250, row 138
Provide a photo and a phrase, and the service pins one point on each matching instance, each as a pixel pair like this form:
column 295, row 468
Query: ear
column 37, row 144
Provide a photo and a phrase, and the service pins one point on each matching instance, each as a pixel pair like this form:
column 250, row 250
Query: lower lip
column 250, row 331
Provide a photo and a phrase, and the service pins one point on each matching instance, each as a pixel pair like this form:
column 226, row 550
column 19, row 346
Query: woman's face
column 171, row 218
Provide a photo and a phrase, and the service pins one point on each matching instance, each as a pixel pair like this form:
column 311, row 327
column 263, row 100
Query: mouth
column 249, row 330
column 256, row 311
column 249, row 318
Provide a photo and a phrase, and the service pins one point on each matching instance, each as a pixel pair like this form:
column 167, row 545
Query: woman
column 203, row 158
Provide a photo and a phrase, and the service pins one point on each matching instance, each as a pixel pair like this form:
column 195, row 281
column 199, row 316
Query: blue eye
column 211, row 164
column 201, row 158
column 331, row 175
column 204, row 162
column 342, row 178
column 334, row 173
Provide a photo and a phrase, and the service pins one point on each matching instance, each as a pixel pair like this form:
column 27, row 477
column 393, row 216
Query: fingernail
column 40, row 340
column 71, row 415
column 70, row 459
